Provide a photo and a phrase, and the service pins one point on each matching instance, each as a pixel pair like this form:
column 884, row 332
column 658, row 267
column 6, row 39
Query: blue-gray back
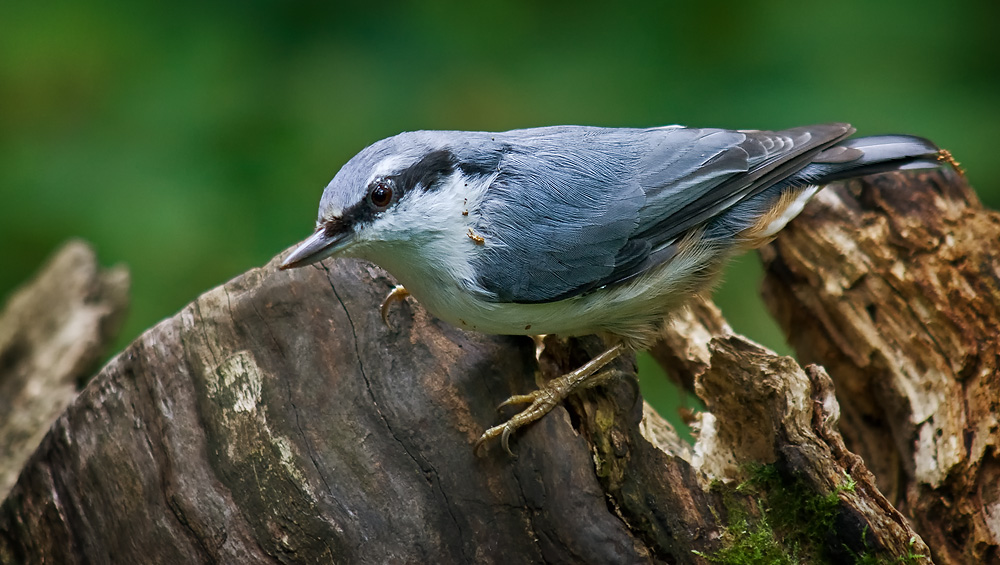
column 575, row 208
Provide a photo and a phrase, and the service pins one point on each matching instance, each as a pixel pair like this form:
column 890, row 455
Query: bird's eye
column 380, row 193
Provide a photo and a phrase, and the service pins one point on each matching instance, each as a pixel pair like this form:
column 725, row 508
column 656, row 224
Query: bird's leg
column 395, row 295
column 550, row 394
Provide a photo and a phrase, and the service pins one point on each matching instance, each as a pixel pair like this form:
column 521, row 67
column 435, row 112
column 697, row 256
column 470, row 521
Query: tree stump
column 277, row 419
column 893, row 285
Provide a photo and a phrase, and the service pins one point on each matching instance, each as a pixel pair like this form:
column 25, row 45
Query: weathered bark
column 277, row 419
column 893, row 284
column 763, row 408
column 53, row 332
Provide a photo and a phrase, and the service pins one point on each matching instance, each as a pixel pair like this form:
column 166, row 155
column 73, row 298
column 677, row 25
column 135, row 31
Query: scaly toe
column 543, row 400
column 486, row 437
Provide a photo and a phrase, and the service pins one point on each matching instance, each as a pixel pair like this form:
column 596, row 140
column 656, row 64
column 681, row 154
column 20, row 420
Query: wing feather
column 572, row 209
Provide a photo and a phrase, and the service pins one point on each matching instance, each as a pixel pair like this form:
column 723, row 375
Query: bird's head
column 392, row 193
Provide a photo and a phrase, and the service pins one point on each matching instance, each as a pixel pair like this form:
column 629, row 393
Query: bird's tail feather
column 869, row 155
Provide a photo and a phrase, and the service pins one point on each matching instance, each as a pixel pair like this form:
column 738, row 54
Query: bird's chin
column 315, row 248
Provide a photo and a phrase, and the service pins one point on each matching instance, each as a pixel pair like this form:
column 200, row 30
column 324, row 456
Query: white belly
column 631, row 309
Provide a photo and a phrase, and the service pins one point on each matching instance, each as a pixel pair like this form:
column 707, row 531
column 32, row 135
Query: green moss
column 750, row 544
column 777, row 519
column 910, row 558
column 804, row 519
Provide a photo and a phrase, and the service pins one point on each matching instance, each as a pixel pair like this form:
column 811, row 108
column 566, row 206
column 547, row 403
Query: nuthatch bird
column 576, row 230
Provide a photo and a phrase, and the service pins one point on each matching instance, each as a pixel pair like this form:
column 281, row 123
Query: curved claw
column 395, row 295
column 518, row 399
column 503, row 430
column 505, row 439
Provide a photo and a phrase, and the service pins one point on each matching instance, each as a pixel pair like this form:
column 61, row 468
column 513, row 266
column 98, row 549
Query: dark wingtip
column 878, row 154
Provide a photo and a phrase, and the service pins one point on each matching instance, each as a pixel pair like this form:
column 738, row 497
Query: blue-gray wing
column 572, row 208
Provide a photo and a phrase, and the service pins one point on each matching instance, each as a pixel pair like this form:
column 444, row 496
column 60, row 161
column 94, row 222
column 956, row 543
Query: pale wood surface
column 53, row 332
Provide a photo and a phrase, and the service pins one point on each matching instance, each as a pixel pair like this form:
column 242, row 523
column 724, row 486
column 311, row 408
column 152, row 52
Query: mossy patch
column 776, row 519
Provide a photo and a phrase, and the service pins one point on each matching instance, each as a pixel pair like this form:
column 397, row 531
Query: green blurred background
column 191, row 140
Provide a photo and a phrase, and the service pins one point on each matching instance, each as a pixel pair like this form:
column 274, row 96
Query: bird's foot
column 397, row 294
column 543, row 400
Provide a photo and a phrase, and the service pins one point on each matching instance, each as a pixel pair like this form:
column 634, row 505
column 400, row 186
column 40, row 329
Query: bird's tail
column 869, row 155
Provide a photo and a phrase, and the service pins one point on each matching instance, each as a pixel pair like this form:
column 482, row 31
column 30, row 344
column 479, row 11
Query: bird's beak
column 315, row 248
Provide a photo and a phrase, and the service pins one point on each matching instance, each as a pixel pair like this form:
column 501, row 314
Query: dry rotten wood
column 765, row 409
column 893, row 284
column 53, row 332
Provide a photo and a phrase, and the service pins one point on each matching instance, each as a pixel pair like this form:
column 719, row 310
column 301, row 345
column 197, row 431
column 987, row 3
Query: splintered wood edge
column 763, row 408
column 53, row 331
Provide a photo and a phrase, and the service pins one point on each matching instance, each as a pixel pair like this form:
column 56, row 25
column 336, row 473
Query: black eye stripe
column 424, row 175
column 358, row 213
column 426, row 172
